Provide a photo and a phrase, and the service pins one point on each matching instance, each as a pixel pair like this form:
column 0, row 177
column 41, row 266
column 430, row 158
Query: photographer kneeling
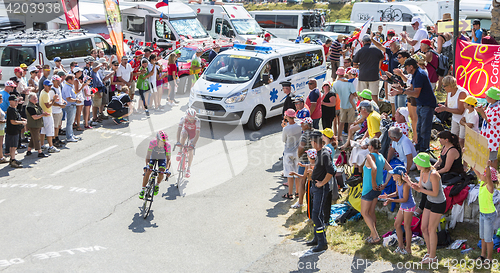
column 119, row 106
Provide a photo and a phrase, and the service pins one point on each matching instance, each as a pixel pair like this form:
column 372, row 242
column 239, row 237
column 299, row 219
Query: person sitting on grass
column 308, row 168
column 406, row 209
column 488, row 212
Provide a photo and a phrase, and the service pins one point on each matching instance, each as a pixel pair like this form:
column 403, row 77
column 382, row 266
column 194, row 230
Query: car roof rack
column 40, row 35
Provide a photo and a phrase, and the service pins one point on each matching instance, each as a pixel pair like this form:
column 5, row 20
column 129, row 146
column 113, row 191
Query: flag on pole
column 161, row 17
column 114, row 22
column 359, row 36
column 163, row 3
column 72, row 13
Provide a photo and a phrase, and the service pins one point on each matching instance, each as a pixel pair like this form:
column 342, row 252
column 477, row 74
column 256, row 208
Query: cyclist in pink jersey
column 158, row 151
column 189, row 129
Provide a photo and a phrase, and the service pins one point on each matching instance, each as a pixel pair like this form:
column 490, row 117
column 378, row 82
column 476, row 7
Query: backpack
column 443, row 64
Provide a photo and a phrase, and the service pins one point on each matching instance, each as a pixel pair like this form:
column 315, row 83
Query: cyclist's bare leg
column 146, row 178
column 160, row 176
column 190, row 158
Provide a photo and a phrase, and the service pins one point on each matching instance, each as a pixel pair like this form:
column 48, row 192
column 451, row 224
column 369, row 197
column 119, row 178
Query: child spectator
column 470, row 117
column 406, row 208
column 401, row 116
column 143, row 83
column 308, row 168
column 491, row 123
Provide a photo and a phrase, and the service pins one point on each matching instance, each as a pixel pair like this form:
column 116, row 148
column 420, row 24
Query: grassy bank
column 333, row 11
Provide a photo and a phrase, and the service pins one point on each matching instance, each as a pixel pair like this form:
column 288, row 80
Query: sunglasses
column 310, row 83
column 115, row 65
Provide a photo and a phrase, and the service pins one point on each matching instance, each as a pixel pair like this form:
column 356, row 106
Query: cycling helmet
column 162, row 136
column 190, row 112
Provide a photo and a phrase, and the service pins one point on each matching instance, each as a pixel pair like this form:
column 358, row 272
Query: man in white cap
column 420, row 34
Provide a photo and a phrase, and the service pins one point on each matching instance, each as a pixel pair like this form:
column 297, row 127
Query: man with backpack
column 432, row 58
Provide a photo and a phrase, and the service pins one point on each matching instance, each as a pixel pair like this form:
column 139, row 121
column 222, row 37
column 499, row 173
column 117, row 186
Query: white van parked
column 228, row 20
column 388, row 12
column 289, row 24
column 42, row 47
column 241, row 85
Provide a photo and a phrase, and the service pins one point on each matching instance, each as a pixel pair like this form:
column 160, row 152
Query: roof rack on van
column 262, row 49
column 42, row 35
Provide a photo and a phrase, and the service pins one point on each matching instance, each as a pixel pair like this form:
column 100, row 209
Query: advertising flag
column 114, row 22
column 72, row 13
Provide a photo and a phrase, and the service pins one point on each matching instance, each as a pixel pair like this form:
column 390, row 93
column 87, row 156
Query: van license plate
column 206, row 112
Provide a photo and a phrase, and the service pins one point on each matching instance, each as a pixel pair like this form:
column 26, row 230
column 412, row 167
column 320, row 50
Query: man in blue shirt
column 477, row 32
column 302, row 111
column 426, row 102
column 9, row 87
column 69, row 95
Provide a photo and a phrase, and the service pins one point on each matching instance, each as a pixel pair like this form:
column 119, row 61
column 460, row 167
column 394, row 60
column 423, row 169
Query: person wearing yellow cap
column 491, row 123
column 331, row 143
column 470, row 117
column 435, row 206
column 307, row 40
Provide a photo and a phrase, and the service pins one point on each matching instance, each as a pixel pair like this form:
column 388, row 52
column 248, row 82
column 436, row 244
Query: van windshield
column 247, row 27
column 189, row 28
column 232, row 69
column 17, row 55
column 186, row 55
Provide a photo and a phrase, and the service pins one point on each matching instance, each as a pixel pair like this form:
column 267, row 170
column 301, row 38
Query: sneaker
column 3, row 160
column 28, row 153
column 157, row 188
column 72, row 140
column 178, row 156
column 53, row 150
column 147, row 112
column 77, row 137
column 141, row 195
column 42, row 155
column 116, row 121
column 188, row 174
column 25, row 140
column 45, row 147
column 18, row 161
column 176, row 101
column 296, row 205
column 22, row 146
column 14, row 164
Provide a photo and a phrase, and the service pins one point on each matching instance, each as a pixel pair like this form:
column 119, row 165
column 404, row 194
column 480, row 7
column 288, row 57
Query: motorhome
column 388, row 12
column 228, row 20
column 289, row 24
column 242, row 85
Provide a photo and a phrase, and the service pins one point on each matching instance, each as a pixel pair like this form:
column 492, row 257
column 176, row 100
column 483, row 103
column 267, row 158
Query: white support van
column 241, row 85
column 42, row 47
column 289, row 24
column 228, row 20
column 388, row 12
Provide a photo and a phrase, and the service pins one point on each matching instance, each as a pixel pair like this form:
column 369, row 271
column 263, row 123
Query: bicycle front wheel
column 148, row 200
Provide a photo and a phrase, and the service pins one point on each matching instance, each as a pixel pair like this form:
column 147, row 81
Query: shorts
column 131, row 91
column 457, row 129
column 152, row 88
column 347, row 115
column 439, row 208
column 486, row 221
column 57, row 119
column 162, row 163
column 412, row 209
column 118, row 113
column 371, row 195
column 11, row 141
column 290, row 164
column 48, row 126
column 337, row 112
column 493, row 155
column 87, row 103
column 392, row 99
column 373, row 86
column 412, row 101
column 189, row 134
column 2, row 132
column 97, row 99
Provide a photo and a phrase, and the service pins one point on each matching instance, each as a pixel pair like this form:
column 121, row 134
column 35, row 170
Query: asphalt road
column 78, row 210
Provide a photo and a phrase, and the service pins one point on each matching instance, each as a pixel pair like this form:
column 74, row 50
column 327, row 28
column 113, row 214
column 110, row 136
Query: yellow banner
column 463, row 25
column 476, row 152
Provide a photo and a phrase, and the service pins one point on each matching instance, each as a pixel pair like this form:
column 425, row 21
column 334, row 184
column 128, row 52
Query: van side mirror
column 230, row 33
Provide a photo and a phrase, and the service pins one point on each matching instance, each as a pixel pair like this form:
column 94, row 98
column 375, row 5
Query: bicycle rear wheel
column 180, row 170
column 148, row 199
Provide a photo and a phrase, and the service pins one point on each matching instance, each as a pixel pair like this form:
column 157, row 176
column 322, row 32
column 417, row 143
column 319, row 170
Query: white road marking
column 2, row 200
column 79, row 162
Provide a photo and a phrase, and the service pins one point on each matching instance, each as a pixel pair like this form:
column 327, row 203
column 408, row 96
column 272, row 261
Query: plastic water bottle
column 466, row 250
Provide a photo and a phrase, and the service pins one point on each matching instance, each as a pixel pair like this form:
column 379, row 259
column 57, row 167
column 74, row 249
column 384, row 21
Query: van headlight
column 237, row 97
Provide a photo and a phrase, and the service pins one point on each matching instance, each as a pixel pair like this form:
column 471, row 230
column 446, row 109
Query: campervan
column 388, row 12
column 241, row 85
column 288, row 24
column 228, row 20
column 39, row 48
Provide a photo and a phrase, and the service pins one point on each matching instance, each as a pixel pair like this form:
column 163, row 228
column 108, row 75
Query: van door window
column 163, row 31
column 134, row 24
column 81, row 48
column 16, row 55
column 303, row 61
column 269, row 73
column 341, row 29
column 287, row 21
column 62, row 50
column 206, row 20
column 226, row 27
column 266, row 21
column 101, row 44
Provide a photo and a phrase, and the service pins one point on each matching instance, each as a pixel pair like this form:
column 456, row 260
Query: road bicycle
column 182, row 167
column 149, row 192
column 391, row 15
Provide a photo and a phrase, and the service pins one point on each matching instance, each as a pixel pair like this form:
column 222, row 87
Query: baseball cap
column 471, row 100
column 47, row 82
column 426, row 42
column 365, row 94
column 411, row 61
column 422, row 160
column 177, row 51
column 365, row 104
column 391, row 32
column 307, row 39
column 286, row 83
column 493, row 93
column 327, row 132
column 56, row 78
column 139, row 53
column 199, row 50
column 89, row 59
column 57, row 59
column 102, row 60
column 124, row 57
column 416, row 19
column 216, row 46
column 312, row 153
column 404, row 111
column 399, row 170
column 10, row 83
column 267, row 35
column 298, row 98
column 307, row 120
column 76, row 70
column 12, row 97
column 61, row 73
column 32, row 69
column 18, row 70
column 290, row 113
column 23, row 66
column 340, row 71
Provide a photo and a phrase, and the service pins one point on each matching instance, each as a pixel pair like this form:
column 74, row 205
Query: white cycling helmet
column 190, row 112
